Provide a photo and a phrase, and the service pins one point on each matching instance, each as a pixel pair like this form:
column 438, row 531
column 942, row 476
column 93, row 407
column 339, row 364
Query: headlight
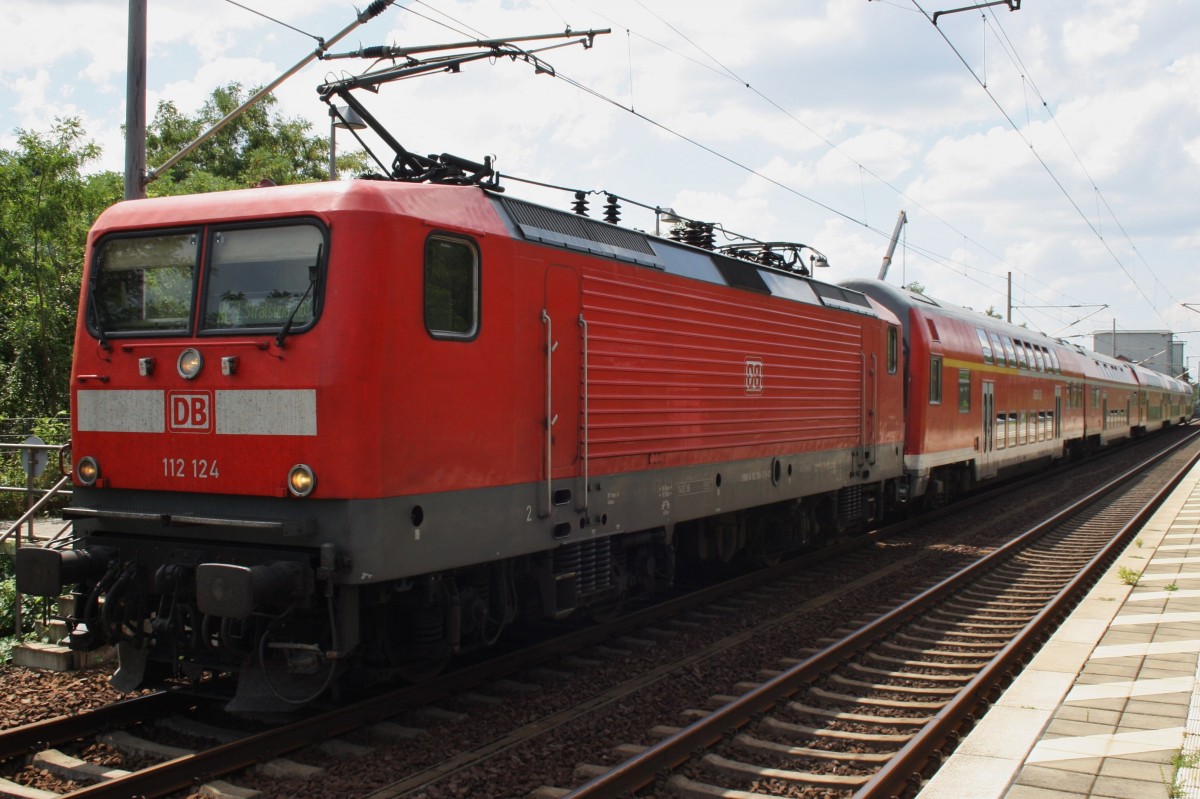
column 301, row 480
column 88, row 471
column 190, row 363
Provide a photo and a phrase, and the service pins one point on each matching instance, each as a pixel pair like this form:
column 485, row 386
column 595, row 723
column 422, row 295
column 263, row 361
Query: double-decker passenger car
column 373, row 423
column 985, row 397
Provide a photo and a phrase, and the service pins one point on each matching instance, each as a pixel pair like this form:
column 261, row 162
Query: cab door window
column 451, row 288
column 935, row 380
column 893, row 349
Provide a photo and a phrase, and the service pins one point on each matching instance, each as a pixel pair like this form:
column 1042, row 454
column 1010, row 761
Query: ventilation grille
column 850, row 504
column 591, row 561
column 576, row 232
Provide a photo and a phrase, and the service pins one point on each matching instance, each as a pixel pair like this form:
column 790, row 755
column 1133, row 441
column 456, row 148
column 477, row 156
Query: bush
column 32, row 608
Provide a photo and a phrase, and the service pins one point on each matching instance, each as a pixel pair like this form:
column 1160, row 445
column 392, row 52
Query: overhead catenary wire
column 472, row 31
column 373, row 10
column 720, row 69
column 1019, row 62
column 244, row 7
column 1045, row 166
column 929, row 254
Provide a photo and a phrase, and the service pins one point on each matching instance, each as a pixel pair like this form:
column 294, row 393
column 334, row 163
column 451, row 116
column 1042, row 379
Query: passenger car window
column 451, row 288
column 984, row 345
column 964, row 390
column 1029, row 359
column 1010, row 352
column 998, row 347
column 1057, row 367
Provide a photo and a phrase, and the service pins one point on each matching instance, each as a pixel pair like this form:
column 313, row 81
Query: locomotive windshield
column 144, row 284
column 260, row 278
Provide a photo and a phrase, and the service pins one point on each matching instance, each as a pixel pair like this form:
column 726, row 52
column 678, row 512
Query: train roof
column 445, row 204
column 472, row 208
column 1093, row 364
column 1156, row 379
column 900, row 300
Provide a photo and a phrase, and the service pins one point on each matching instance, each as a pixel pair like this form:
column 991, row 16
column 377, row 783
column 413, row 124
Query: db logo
column 754, row 376
column 190, row 412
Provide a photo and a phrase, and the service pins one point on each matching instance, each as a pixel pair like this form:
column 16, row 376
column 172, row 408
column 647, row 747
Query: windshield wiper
column 96, row 314
column 314, row 272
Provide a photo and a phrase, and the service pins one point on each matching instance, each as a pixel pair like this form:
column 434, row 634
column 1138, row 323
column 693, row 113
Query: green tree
column 47, row 204
column 915, row 287
column 259, row 145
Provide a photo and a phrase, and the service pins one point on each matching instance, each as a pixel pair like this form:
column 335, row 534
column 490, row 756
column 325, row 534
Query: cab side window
column 935, row 379
column 893, row 349
column 451, row 288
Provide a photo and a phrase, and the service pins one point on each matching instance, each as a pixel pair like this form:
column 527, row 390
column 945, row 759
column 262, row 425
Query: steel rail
column 643, row 768
column 903, row 769
column 18, row 741
column 182, row 773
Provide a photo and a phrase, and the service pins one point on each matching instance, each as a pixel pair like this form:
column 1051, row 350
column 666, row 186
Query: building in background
column 1155, row 349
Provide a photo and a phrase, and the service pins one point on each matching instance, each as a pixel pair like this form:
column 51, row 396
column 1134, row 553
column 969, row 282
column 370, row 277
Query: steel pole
column 135, row 103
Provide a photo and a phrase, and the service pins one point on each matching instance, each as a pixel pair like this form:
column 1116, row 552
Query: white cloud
column 1109, row 28
column 874, row 79
column 887, row 153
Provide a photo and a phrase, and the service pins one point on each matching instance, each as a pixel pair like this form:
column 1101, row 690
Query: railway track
column 870, row 714
column 556, row 688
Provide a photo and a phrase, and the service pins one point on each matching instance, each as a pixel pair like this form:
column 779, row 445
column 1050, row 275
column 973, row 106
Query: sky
column 1058, row 144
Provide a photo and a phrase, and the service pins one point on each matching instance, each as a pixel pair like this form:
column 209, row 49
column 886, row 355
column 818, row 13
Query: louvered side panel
column 703, row 376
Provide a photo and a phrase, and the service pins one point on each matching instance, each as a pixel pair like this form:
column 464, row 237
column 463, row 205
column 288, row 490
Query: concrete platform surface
column 1109, row 708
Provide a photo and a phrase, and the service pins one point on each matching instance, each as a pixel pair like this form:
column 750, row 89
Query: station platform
column 1110, row 706
column 44, row 529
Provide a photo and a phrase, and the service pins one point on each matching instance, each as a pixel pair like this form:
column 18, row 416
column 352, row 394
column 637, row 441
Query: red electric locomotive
column 371, row 423
column 985, row 397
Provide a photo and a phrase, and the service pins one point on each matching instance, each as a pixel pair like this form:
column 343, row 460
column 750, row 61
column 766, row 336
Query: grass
column 1181, row 760
column 32, row 609
column 1128, row 576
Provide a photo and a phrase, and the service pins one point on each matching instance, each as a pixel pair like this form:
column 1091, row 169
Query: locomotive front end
column 196, row 509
